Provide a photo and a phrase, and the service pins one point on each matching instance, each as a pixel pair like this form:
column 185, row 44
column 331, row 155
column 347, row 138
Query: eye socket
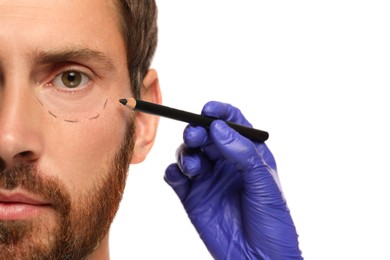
column 71, row 79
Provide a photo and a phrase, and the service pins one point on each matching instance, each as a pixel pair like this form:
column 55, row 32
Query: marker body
column 176, row 114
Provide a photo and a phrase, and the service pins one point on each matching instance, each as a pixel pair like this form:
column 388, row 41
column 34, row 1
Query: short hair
column 138, row 22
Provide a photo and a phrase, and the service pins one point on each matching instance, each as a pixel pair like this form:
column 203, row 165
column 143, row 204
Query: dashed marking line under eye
column 52, row 114
column 71, row 121
column 94, row 117
column 40, row 102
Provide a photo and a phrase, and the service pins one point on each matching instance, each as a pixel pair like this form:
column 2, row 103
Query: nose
column 20, row 140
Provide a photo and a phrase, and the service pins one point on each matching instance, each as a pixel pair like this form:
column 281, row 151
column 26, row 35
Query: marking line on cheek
column 94, row 117
column 52, row 114
column 70, row 121
column 40, row 102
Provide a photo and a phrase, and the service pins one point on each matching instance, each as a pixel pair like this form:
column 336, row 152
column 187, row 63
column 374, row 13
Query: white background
column 312, row 73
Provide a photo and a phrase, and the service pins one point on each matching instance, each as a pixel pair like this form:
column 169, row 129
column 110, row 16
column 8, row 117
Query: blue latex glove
column 229, row 188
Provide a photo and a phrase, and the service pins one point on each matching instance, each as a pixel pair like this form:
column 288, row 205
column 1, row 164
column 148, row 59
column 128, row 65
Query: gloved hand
column 228, row 185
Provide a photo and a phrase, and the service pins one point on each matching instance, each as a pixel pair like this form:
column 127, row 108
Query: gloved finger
column 198, row 137
column 266, row 154
column 179, row 182
column 225, row 112
column 192, row 162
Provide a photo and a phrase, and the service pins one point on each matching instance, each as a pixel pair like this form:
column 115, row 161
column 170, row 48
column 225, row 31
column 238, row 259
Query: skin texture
column 76, row 157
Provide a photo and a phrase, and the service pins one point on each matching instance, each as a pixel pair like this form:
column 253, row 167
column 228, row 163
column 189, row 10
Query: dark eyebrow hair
column 74, row 54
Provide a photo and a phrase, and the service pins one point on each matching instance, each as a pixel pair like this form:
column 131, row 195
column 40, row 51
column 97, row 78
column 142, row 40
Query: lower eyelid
column 53, row 88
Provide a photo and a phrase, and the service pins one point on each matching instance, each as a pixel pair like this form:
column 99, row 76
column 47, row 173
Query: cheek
column 80, row 153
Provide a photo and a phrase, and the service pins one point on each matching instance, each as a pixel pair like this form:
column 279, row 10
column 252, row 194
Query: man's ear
column 146, row 124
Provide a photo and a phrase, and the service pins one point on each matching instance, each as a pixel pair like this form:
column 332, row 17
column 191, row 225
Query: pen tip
column 123, row 101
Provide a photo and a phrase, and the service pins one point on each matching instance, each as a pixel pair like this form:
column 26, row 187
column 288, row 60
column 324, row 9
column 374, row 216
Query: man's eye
column 70, row 79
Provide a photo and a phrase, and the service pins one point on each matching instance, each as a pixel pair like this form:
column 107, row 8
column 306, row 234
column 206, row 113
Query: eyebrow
column 73, row 54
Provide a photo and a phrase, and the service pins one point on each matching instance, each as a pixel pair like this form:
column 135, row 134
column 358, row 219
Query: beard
column 79, row 224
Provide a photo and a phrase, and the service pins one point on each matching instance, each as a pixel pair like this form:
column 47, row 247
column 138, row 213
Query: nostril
column 21, row 158
column 2, row 165
column 24, row 157
column 25, row 154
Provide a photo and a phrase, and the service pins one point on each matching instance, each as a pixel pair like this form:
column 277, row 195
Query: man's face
column 63, row 146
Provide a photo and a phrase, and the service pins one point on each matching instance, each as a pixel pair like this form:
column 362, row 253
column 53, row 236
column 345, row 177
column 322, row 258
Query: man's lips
column 20, row 206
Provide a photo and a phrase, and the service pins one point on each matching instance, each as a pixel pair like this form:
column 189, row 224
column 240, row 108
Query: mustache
column 29, row 179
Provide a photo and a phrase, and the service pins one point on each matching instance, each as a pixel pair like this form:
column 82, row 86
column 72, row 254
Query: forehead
column 59, row 22
column 60, row 9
